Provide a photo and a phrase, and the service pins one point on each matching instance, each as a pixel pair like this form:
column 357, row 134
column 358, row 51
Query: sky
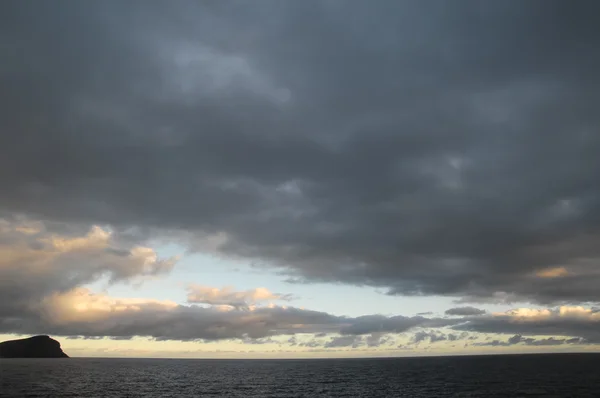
column 290, row 179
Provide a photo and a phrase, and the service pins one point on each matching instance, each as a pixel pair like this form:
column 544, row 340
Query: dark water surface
column 556, row 375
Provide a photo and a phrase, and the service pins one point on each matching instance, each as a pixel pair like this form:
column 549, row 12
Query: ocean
column 553, row 375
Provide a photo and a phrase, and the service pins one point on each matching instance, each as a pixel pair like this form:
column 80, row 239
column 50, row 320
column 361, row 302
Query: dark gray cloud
column 313, row 343
column 572, row 323
column 267, row 340
column 166, row 322
column 437, row 335
column 82, row 313
column 454, row 337
column 420, row 336
column 445, row 148
column 433, row 336
column 465, row 311
column 344, row 341
column 518, row 339
column 378, row 339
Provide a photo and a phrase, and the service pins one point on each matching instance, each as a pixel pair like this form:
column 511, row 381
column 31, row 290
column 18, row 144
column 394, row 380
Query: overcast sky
column 296, row 178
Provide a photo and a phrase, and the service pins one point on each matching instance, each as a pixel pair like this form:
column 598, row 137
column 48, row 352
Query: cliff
column 32, row 347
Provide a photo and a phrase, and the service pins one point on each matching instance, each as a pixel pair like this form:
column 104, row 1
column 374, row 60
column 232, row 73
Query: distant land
column 33, row 347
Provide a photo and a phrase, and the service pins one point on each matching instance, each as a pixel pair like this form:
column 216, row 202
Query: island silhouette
column 33, row 347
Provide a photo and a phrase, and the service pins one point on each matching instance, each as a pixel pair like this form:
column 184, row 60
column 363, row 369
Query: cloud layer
column 567, row 321
column 426, row 148
column 44, row 268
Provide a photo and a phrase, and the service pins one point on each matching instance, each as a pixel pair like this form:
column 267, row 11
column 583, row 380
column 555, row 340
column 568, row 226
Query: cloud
column 425, row 150
column 83, row 313
column 313, row 343
column 292, row 341
column 45, row 267
column 557, row 272
column 344, row 341
column 379, row 339
column 573, row 322
column 267, row 340
column 228, row 296
column 461, row 336
column 38, row 260
column 368, row 324
column 420, row 336
column 518, row 339
column 432, row 336
column 80, row 312
column 465, row 311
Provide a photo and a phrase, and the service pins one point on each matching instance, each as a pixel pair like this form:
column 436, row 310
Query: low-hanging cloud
column 465, row 311
column 528, row 341
column 230, row 297
column 344, row 341
column 567, row 321
column 81, row 312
